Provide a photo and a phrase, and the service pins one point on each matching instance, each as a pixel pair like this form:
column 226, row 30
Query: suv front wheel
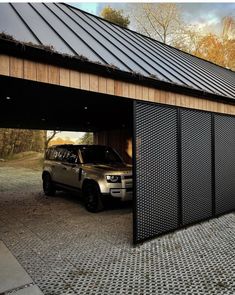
column 92, row 197
column 48, row 186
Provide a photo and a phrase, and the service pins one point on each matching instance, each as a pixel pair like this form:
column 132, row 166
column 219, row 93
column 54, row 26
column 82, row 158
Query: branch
column 51, row 137
column 151, row 23
column 139, row 22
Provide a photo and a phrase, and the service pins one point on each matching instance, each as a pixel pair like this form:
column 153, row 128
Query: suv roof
column 76, row 145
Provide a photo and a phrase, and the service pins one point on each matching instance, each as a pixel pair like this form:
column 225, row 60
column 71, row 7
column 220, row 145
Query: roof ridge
column 147, row 37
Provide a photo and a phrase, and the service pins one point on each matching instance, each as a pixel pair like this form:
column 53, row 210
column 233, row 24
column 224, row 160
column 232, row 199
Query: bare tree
column 50, row 137
column 228, row 27
column 161, row 21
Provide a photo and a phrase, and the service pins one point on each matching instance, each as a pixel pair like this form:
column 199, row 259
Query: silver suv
column 95, row 170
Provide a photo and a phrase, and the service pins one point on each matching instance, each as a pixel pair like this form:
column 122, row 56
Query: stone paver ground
column 67, row 250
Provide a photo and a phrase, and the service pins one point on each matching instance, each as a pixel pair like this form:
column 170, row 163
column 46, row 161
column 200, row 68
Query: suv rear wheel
column 92, row 198
column 48, row 186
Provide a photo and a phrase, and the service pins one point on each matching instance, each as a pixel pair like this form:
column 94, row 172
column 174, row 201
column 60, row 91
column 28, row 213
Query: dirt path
column 32, row 161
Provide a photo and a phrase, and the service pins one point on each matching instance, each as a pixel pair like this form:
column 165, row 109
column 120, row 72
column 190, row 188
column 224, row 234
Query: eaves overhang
column 79, row 63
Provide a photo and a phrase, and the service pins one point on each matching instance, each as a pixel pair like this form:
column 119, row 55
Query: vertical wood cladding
column 36, row 71
column 120, row 139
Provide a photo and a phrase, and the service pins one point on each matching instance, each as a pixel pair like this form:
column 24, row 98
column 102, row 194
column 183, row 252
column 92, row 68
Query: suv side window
column 61, row 154
column 51, row 154
column 72, row 157
column 56, row 154
column 47, row 155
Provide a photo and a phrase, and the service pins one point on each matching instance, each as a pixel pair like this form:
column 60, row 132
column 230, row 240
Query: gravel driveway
column 67, row 250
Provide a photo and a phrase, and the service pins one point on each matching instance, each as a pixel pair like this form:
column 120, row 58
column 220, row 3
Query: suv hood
column 111, row 167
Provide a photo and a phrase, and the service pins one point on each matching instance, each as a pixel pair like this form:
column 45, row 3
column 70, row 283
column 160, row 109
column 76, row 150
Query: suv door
column 59, row 169
column 71, row 167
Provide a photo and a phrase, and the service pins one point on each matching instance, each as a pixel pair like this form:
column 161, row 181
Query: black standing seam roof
column 72, row 31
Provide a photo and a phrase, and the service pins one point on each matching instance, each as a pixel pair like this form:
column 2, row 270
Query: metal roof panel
column 15, row 27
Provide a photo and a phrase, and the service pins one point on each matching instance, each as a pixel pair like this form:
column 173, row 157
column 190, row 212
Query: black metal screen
column 156, row 198
column 224, row 164
column 184, row 167
column 196, row 166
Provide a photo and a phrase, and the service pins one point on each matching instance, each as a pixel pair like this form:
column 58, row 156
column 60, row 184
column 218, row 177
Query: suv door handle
column 80, row 174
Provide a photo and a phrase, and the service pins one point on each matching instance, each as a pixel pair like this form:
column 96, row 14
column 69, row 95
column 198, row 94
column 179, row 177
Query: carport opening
column 39, row 106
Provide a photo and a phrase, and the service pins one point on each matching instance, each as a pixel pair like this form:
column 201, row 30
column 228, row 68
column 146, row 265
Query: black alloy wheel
column 48, row 186
column 92, row 196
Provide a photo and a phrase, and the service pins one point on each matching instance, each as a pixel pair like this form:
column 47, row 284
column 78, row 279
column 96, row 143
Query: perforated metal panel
column 224, row 163
column 196, row 166
column 156, row 203
column 184, row 167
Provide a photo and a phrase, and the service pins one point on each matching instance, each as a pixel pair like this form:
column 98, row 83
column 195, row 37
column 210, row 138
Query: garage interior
column 32, row 105
column 37, row 229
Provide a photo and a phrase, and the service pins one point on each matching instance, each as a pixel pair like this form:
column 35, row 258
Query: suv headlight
column 113, row 178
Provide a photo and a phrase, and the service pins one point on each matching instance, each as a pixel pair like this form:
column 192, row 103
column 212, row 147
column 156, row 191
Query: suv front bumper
column 125, row 194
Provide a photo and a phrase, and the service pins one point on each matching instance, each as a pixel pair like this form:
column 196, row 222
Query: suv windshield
column 99, row 154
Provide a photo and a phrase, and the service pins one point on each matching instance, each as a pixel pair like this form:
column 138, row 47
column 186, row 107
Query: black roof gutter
column 47, row 55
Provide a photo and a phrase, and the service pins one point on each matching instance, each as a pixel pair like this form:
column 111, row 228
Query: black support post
column 213, row 162
column 134, row 171
column 180, row 211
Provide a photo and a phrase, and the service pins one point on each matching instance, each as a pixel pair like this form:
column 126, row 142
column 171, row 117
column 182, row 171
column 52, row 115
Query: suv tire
column 48, row 186
column 92, row 198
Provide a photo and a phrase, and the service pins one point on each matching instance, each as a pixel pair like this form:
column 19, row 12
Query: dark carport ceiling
column 25, row 104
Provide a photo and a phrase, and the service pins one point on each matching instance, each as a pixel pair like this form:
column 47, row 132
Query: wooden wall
column 22, row 68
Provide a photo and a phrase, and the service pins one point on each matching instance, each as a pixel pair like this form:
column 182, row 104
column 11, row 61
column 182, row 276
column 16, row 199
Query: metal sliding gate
column 184, row 167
